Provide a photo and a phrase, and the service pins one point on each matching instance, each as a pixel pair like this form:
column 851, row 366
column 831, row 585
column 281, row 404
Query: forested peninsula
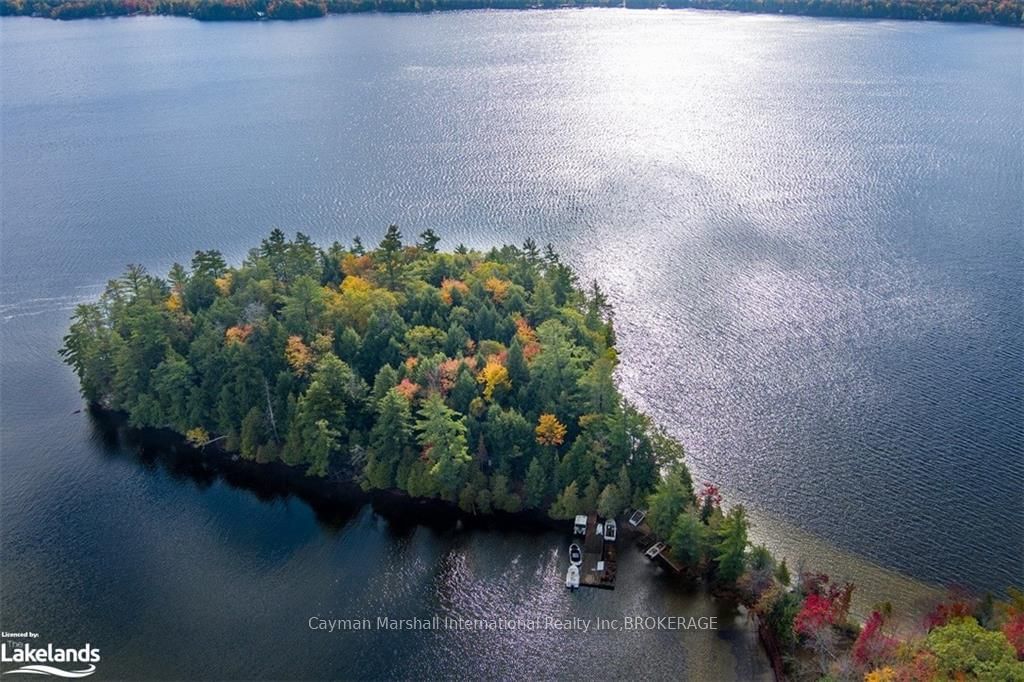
column 1003, row 12
column 484, row 380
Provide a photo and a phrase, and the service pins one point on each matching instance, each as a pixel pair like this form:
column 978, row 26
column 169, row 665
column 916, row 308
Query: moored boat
column 575, row 554
column 572, row 577
column 610, row 530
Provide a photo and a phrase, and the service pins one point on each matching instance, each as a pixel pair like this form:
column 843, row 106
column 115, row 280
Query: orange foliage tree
column 299, row 356
column 448, row 285
column 237, row 334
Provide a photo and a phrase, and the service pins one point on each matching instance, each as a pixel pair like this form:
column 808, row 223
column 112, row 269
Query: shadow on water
column 334, row 501
column 507, row 564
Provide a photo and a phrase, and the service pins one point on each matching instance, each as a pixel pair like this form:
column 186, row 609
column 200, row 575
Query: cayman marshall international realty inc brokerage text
column 626, row 623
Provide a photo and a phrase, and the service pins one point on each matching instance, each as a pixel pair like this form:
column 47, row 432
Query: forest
column 1003, row 12
column 485, row 380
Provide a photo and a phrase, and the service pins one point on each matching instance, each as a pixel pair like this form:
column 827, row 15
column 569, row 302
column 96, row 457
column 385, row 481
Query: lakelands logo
column 80, row 662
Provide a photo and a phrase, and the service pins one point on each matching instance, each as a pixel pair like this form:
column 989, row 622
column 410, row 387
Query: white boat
column 655, row 550
column 575, row 554
column 609, row 530
column 579, row 527
column 572, row 577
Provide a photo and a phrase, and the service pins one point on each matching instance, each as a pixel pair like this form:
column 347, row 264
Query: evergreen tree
column 464, row 390
column 442, row 433
column 518, row 371
column 542, row 301
column 390, row 439
column 325, row 440
column 590, row 495
column 429, row 241
column 599, row 387
column 252, row 433
column 610, row 503
column 689, row 539
column 731, row 545
column 625, row 486
column 556, row 371
column 386, row 379
column 668, row 501
column 303, row 307
column 536, row 484
column 782, row 573
column 391, row 255
column 324, row 401
column 568, row 505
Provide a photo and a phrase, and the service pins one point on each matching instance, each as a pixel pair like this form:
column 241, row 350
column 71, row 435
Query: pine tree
column 386, row 379
column 429, row 241
column 689, row 539
column 252, row 433
column 668, row 501
column 567, row 506
column 536, row 484
column 518, row 371
column 390, row 439
column 464, row 390
column 625, row 486
column 731, row 545
column 610, row 503
column 442, row 433
column 391, row 254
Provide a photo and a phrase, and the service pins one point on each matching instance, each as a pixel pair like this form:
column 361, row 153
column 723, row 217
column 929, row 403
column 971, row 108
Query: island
column 484, row 381
column 1003, row 12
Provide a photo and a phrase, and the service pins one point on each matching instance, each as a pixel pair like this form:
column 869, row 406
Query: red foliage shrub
column 947, row 611
column 815, row 614
column 1014, row 631
column 873, row 646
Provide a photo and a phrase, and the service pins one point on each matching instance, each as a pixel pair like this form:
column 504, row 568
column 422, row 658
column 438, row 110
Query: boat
column 572, row 577
column 579, row 527
column 575, row 554
column 637, row 518
column 655, row 550
column 610, row 530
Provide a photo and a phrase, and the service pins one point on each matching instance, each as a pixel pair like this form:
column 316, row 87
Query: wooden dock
column 655, row 550
column 599, row 562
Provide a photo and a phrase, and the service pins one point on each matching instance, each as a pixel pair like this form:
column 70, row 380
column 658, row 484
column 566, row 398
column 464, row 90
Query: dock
column 599, row 562
column 653, row 549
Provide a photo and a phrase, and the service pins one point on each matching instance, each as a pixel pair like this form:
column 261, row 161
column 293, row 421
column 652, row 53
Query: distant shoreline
column 999, row 13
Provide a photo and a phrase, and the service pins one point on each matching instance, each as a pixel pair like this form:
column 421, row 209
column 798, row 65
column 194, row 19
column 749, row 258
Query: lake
column 811, row 231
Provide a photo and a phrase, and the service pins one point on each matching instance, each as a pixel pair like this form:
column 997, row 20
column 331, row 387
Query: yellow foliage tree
column 173, row 302
column 550, row 431
column 224, row 284
column 886, row 674
column 197, row 436
column 494, row 376
column 299, row 356
column 498, row 288
column 355, row 301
